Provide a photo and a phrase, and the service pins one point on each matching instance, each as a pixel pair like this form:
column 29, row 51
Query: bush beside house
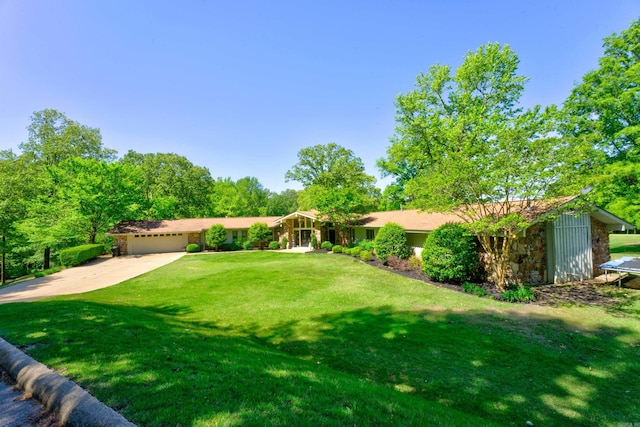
column 216, row 236
column 391, row 240
column 450, row 254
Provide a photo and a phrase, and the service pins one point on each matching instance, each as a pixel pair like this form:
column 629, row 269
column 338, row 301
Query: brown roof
column 411, row 220
column 187, row 225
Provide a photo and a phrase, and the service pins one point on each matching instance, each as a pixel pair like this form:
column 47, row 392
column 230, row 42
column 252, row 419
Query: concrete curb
column 73, row 405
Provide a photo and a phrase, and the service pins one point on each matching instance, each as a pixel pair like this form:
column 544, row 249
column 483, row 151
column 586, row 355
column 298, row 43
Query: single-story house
column 557, row 247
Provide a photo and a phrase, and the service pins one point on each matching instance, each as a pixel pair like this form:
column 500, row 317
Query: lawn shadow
column 371, row 366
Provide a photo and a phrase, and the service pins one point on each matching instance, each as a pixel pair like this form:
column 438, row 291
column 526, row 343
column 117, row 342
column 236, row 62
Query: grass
column 263, row 338
column 624, row 245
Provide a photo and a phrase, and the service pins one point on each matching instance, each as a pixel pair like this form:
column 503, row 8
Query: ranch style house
column 558, row 247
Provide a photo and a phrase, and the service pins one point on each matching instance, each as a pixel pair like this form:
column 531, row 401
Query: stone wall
column 599, row 245
column 193, row 238
column 529, row 255
column 122, row 243
column 528, row 258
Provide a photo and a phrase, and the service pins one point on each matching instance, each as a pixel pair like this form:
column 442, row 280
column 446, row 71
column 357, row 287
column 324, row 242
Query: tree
column 259, row 233
column 53, row 137
column 12, row 203
column 470, row 149
column 245, row 197
column 604, row 109
column 283, row 203
column 101, row 193
column 216, row 236
column 173, row 187
column 335, row 184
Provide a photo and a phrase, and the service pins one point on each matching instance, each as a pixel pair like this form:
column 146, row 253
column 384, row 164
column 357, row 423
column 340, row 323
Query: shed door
column 570, row 256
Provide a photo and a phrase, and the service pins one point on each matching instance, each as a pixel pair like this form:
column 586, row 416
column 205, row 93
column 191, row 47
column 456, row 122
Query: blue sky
column 239, row 87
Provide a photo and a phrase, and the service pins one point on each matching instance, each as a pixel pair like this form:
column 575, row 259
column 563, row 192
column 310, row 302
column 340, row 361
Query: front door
column 305, row 236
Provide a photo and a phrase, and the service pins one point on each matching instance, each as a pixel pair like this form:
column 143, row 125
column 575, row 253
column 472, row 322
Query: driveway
column 99, row 273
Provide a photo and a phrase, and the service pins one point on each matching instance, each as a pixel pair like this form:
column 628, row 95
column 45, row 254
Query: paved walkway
column 100, row 273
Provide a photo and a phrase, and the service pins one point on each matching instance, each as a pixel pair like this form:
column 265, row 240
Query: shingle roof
column 187, row 225
column 411, row 220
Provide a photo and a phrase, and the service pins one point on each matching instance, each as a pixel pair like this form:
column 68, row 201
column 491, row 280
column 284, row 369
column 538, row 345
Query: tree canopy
column 335, row 184
column 463, row 144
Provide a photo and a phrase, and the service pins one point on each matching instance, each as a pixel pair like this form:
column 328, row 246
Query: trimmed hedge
column 450, row 254
column 274, row 245
column 326, row 245
column 391, row 240
column 365, row 256
column 337, row 249
column 193, row 247
column 77, row 255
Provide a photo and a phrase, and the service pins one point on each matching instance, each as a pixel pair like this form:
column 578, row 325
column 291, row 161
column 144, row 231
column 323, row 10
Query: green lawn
column 624, row 245
column 264, row 338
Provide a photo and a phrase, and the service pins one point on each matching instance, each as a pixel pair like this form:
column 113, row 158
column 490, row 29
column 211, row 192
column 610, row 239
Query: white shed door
column 157, row 243
column 572, row 248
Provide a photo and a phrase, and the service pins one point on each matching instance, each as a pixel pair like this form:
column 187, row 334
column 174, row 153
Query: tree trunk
column 47, row 258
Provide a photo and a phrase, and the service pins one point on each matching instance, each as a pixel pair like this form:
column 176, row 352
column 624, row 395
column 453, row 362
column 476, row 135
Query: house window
column 239, row 236
column 371, row 234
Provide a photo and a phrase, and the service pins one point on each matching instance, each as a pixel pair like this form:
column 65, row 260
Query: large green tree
column 335, row 184
column 245, row 197
column 53, row 139
column 604, row 109
column 173, row 187
column 464, row 145
column 283, row 203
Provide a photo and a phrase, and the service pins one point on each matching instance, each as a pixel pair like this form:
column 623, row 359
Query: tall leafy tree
column 604, row 109
column 470, row 149
column 173, row 187
column 245, row 197
column 335, row 184
column 13, row 195
column 283, row 203
column 101, row 193
column 53, row 139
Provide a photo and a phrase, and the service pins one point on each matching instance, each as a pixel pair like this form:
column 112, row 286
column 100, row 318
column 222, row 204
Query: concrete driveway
column 99, row 273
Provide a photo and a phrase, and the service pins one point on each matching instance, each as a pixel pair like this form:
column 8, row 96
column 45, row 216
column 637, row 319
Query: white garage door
column 157, row 243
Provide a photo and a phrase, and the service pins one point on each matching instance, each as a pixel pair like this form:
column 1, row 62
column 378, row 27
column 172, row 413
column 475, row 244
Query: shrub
column 450, row 254
column 246, row 245
column 314, row 242
column 520, row 294
column 193, row 247
column 472, row 288
column 346, row 250
column 77, row 255
column 415, row 263
column 326, row 245
column 397, row 263
column 366, row 245
column 234, row 246
column 274, row 245
column 216, row 236
column 366, row 256
column 336, row 249
column 284, row 242
column 259, row 232
column 391, row 240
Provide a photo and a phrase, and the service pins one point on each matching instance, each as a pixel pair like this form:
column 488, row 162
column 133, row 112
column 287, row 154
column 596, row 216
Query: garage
column 157, row 243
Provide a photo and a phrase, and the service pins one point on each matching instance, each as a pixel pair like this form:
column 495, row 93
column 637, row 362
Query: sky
column 239, row 87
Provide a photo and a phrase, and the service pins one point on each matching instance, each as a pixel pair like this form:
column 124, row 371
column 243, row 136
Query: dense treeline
column 66, row 188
